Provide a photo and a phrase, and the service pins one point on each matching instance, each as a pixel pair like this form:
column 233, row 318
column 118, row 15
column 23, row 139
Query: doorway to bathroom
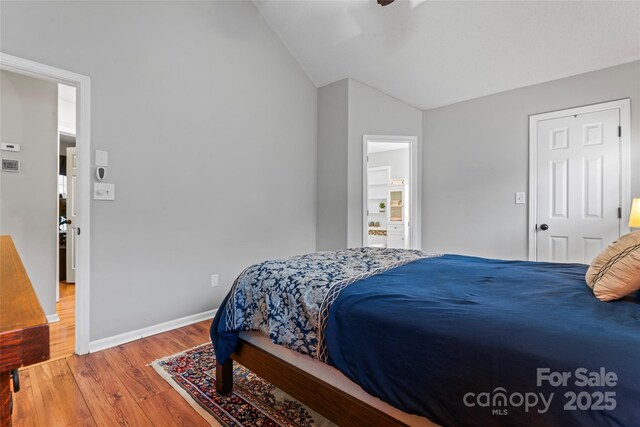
column 391, row 205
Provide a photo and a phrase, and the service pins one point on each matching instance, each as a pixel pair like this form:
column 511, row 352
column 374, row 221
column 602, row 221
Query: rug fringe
column 185, row 395
column 162, row 359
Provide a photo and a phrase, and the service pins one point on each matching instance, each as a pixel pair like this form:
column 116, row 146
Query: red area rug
column 253, row 402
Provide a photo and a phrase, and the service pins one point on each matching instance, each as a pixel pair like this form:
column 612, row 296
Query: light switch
column 102, row 191
column 521, row 198
column 102, row 158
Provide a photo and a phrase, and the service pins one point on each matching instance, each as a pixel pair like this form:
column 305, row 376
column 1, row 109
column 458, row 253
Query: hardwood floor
column 113, row 387
column 62, row 333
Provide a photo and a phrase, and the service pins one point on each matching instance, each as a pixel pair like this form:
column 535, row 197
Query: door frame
column 624, row 107
column 83, row 143
column 415, row 186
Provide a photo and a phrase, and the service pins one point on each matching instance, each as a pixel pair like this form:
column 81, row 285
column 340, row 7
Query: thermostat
column 6, row 146
column 9, row 165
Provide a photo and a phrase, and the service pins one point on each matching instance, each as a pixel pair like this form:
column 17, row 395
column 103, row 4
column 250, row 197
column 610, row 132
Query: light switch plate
column 102, row 191
column 521, row 198
column 7, row 146
column 102, row 158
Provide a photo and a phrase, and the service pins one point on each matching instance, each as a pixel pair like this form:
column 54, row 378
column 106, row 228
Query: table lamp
column 634, row 218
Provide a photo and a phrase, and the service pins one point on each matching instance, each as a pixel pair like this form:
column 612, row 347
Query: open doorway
column 33, row 196
column 391, row 203
column 43, row 173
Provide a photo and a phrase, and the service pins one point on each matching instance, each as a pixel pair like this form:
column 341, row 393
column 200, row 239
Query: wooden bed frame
column 333, row 403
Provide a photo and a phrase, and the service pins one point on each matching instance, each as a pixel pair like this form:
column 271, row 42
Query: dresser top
column 19, row 305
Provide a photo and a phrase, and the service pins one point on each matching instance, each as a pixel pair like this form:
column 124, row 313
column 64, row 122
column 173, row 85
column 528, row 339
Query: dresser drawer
column 395, row 228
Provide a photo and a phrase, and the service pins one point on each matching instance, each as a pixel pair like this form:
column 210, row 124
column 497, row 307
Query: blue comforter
column 471, row 341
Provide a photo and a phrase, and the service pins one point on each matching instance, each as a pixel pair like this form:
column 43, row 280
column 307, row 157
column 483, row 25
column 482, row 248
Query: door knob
column 544, row 227
column 68, row 221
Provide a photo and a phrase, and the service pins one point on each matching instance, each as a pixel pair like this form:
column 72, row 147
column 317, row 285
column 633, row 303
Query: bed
column 422, row 339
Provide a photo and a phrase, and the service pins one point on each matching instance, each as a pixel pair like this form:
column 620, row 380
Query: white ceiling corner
column 433, row 53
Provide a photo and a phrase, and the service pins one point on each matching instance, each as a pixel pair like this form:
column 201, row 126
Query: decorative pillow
column 616, row 271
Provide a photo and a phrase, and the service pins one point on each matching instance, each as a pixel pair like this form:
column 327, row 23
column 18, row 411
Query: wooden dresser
column 24, row 332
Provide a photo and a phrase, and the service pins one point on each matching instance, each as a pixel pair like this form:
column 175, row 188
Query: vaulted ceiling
column 434, row 53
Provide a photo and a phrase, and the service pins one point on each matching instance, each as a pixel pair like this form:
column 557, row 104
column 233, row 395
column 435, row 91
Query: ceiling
column 434, row 53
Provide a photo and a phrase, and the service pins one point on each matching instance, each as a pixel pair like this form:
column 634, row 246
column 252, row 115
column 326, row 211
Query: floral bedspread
column 289, row 299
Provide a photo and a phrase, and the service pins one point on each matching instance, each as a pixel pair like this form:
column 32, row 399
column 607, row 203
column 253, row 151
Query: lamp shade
column 634, row 218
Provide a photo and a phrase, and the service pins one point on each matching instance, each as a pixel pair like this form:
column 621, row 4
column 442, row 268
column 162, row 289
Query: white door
column 72, row 213
column 578, row 188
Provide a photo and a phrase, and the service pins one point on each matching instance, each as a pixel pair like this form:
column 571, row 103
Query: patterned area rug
column 253, row 402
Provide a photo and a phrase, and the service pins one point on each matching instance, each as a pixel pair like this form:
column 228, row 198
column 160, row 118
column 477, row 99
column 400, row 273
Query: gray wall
column 331, row 227
column 28, row 199
column 210, row 125
column 368, row 112
column 476, row 157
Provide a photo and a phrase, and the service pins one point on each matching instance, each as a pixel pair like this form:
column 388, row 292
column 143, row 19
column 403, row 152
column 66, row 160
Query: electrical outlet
column 214, row 281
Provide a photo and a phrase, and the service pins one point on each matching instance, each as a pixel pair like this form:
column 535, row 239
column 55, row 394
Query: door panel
column 560, row 188
column 559, row 248
column 592, row 246
column 578, row 174
column 593, row 197
column 72, row 212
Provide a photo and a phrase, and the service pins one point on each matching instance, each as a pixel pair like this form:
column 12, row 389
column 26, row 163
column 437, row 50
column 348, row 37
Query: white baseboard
column 115, row 340
column 53, row 318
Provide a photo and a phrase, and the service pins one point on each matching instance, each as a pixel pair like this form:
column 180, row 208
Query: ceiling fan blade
column 385, row 2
